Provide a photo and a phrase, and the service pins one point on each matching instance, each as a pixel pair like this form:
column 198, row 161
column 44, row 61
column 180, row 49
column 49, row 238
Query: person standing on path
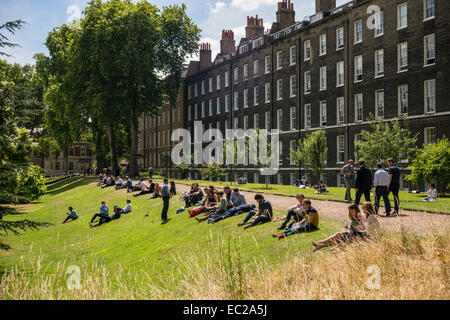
column 394, row 184
column 150, row 172
column 381, row 184
column 363, row 183
column 348, row 173
column 166, row 196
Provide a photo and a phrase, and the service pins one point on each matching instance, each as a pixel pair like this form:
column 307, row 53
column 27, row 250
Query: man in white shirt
column 127, row 208
column 381, row 185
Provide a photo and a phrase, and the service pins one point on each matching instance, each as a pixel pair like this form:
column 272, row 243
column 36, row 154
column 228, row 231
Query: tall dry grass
column 411, row 267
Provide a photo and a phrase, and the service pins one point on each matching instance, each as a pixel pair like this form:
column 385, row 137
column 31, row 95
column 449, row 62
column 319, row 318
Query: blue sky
column 210, row 15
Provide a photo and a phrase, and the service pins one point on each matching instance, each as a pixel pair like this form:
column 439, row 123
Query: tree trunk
column 134, row 143
column 112, row 148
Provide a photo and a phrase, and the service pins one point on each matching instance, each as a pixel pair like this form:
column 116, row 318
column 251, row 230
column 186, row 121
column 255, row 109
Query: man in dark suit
column 363, row 182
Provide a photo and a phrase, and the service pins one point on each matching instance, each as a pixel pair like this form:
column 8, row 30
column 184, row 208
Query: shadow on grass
column 4, row 246
column 67, row 185
column 11, row 211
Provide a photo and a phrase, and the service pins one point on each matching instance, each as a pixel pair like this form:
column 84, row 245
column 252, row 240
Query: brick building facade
column 330, row 72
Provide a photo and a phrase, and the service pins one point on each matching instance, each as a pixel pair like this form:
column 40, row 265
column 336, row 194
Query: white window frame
column 427, row 135
column 340, row 149
column 267, row 123
column 323, row 113
column 218, row 105
column 358, row 66
column 256, row 121
column 279, row 59
column 340, row 110
column 379, row 24
column 307, row 89
column 358, row 32
column 210, row 85
column 210, row 107
column 245, row 98
column 307, row 50
column 400, row 17
column 280, row 119
column 227, row 103
column 279, row 89
column 246, row 71
column 378, row 64
column 218, row 80
column 227, row 79
column 425, row 12
column 256, row 96
column 236, row 100
column 203, row 87
column 429, row 55
column 340, row 41
column 267, row 93
column 401, row 58
column 236, row 75
column 256, row 68
column 292, row 55
column 402, row 100
column 308, row 116
column 292, row 86
column 203, row 109
column 427, row 98
column 340, row 81
column 267, row 64
column 293, row 118
column 378, row 103
column 322, row 47
column 323, row 78
column 359, row 106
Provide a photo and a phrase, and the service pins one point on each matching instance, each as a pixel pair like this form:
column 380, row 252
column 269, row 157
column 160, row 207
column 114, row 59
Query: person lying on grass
column 235, row 211
column 218, row 209
column 295, row 212
column 103, row 215
column 356, row 230
column 309, row 223
column 264, row 214
column 145, row 189
column 71, row 215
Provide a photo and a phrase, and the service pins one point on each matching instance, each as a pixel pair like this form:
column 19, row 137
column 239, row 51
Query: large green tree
column 386, row 140
column 432, row 163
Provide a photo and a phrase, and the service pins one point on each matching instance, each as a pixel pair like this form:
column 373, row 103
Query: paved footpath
column 414, row 221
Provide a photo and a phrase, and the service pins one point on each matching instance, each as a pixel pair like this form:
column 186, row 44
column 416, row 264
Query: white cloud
column 218, row 6
column 248, row 5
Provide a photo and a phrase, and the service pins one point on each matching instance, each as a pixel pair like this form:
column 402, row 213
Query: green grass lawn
column 408, row 201
column 136, row 242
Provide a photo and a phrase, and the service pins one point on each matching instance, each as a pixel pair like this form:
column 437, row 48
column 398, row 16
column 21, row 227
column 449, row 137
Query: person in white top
column 372, row 225
column 294, row 212
column 381, row 185
column 432, row 193
column 127, row 208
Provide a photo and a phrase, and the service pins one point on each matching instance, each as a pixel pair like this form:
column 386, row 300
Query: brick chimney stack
column 205, row 56
column 285, row 15
column 325, row 5
column 227, row 44
column 254, row 28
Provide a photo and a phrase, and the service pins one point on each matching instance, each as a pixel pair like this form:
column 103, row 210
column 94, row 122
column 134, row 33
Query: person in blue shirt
column 237, row 198
column 166, row 196
column 103, row 215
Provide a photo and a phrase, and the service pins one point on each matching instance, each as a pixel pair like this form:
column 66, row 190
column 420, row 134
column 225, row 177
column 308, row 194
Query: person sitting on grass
column 117, row 214
column 194, row 196
column 295, row 212
column 237, row 198
column 356, row 230
column 103, row 215
column 432, row 193
column 119, row 184
column 218, row 209
column 156, row 191
column 372, row 224
column 71, row 215
column 309, row 223
column 101, row 180
column 127, row 208
column 264, row 214
column 111, row 182
column 129, row 185
column 321, row 188
column 173, row 188
column 145, row 189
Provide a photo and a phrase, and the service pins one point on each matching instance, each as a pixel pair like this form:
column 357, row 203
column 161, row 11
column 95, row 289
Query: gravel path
column 413, row 221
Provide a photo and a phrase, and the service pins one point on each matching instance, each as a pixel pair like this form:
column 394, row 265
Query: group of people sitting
column 216, row 204
column 242, row 180
column 104, row 214
column 151, row 188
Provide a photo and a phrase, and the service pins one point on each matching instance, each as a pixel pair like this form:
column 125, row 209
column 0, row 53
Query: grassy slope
column 408, row 201
column 136, row 242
